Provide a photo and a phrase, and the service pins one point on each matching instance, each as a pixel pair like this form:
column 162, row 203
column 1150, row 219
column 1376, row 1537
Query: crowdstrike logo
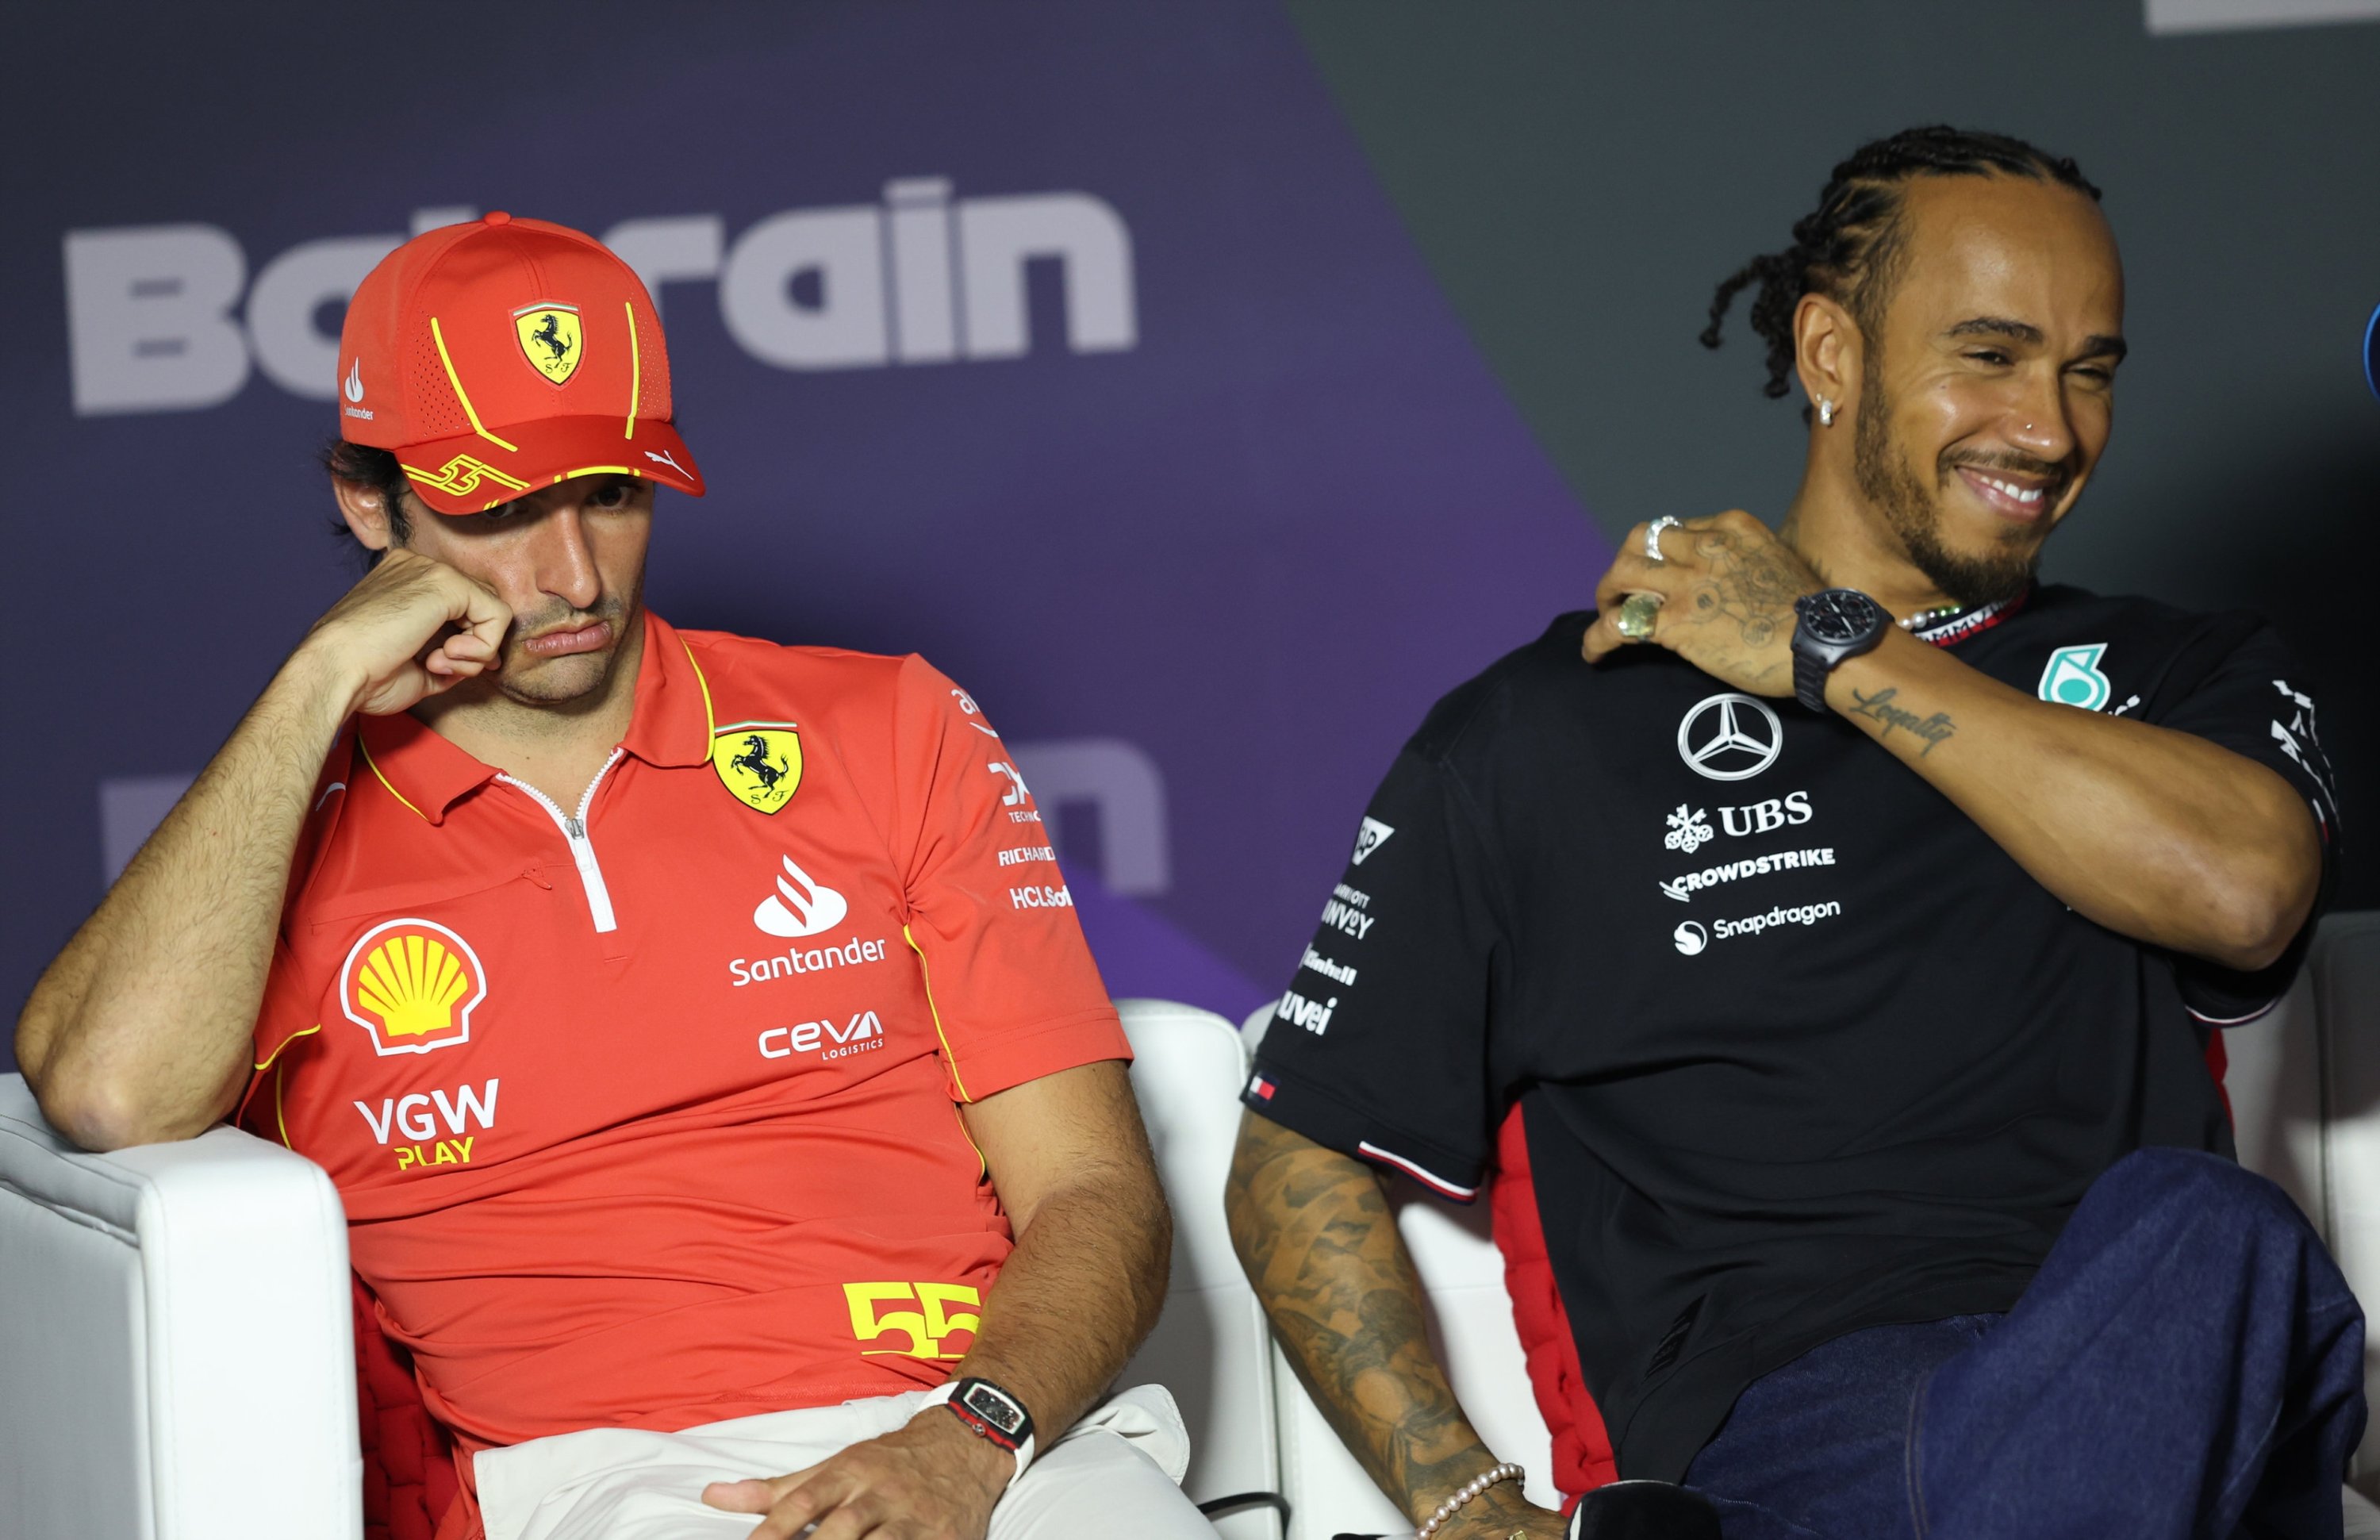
column 1683, row 889
column 800, row 906
column 163, row 318
column 1729, row 737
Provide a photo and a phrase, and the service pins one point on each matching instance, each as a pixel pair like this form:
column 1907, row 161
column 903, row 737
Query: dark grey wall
column 1580, row 176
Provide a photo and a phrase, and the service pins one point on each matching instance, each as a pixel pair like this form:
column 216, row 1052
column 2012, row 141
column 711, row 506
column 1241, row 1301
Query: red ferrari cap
column 505, row 355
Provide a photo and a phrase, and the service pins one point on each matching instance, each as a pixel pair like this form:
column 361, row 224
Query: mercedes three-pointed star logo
column 1738, row 745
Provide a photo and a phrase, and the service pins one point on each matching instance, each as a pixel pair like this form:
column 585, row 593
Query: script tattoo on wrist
column 1880, row 708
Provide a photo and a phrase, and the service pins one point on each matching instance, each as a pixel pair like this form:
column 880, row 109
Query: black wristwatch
column 1834, row 624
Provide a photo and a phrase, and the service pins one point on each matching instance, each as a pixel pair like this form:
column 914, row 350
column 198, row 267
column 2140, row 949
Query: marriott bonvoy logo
column 163, row 318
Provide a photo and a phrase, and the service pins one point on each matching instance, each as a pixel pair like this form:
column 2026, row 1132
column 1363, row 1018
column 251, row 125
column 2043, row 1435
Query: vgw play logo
column 163, row 318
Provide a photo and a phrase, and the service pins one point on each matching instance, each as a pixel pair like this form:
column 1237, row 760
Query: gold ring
column 1635, row 621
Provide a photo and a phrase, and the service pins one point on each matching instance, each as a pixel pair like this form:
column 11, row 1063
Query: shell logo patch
column 758, row 762
column 413, row 985
column 550, row 339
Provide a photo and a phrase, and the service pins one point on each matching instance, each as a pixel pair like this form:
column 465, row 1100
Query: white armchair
column 177, row 1342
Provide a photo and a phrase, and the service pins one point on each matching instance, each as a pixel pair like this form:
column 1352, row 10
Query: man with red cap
column 729, row 1117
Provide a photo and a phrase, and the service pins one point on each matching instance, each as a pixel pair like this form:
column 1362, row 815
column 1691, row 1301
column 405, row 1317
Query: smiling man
column 1843, row 916
column 725, row 1127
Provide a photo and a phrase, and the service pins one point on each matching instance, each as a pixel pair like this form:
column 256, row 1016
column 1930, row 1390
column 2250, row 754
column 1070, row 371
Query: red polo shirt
column 642, row 1108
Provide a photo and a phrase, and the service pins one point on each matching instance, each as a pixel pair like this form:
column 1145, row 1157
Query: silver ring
column 1653, row 537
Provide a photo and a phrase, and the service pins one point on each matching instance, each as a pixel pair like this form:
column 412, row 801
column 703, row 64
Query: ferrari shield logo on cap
column 760, row 762
column 549, row 339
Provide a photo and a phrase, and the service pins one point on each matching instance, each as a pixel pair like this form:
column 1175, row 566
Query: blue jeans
column 2187, row 1363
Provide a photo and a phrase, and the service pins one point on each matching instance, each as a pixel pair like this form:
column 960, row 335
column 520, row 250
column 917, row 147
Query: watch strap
column 1810, row 680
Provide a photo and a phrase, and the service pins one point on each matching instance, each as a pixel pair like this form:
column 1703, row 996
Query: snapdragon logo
column 1691, row 940
column 1801, row 913
column 163, row 318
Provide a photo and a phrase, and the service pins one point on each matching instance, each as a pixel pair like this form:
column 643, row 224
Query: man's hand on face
column 382, row 640
column 1727, row 587
column 930, row 1480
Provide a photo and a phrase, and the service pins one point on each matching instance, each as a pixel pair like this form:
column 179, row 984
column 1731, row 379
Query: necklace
column 1924, row 618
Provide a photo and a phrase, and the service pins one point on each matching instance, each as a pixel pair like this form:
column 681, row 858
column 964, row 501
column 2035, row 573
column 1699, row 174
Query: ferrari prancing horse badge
column 760, row 762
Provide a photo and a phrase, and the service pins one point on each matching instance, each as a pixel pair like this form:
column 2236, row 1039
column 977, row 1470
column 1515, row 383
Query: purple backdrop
column 1205, row 538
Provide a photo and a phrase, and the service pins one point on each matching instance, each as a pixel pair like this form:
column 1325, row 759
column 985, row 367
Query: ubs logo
column 1729, row 737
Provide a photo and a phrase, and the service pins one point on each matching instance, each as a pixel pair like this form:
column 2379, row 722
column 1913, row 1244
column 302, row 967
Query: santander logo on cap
column 512, row 353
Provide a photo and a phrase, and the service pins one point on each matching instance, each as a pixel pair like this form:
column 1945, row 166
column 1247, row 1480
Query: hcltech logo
column 163, row 318
column 2072, row 677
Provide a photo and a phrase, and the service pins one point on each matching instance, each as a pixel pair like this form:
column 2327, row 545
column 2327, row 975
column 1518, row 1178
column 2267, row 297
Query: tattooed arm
column 1315, row 1233
column 2156, row 834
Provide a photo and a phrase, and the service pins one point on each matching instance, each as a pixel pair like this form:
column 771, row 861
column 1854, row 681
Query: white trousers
column 1119, row 1466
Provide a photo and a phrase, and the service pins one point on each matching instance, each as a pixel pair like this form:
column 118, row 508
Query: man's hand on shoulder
column 1727, row 586
column 382, row 643
column 931, row 1479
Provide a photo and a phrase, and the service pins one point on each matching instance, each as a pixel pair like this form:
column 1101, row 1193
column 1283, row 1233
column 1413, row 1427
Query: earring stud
column 1826, row 413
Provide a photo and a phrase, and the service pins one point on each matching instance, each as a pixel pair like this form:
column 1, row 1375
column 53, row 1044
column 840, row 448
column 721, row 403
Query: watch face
column 994, row 1408
column 1840, row 615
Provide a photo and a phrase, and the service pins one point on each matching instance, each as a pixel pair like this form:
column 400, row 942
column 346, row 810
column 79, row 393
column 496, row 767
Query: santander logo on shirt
column 800, row 906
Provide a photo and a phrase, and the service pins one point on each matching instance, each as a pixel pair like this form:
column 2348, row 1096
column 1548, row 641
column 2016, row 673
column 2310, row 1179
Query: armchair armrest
column 177, row 1339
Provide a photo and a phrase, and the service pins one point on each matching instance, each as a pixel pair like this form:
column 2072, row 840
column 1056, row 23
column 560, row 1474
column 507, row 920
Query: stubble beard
column 1914, row 513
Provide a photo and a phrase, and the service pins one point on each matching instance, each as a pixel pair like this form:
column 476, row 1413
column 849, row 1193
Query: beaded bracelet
column 1472, row 1488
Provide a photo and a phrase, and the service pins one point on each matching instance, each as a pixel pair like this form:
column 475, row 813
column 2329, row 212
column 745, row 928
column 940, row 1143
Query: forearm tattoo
column 1878, row 708
column 1319, row 1243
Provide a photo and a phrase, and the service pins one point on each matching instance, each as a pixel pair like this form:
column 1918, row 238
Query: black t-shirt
column 1799, row 1049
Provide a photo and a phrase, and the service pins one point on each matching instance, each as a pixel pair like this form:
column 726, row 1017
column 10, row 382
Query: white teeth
column 2011, row 489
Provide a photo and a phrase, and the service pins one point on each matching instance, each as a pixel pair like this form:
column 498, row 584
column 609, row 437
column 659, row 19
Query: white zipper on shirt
column 582, row 849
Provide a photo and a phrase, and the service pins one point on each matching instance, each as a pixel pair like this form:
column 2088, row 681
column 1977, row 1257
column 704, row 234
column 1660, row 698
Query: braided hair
column 1850, row 247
